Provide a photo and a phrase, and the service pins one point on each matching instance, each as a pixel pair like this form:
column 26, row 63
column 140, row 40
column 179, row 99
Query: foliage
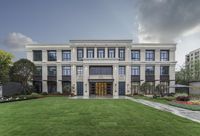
column 160, row 89
column 182, row 98
column 185, row 106
column 145, row 87
column 22, row 71
column 5, row 62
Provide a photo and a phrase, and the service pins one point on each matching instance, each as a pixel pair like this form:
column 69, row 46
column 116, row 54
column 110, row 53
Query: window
column 51, row 70
column 164, row 70
column 121, row 53
column 135, row 55
column 79, row 70
column 51, row 55
column 101, row 70
column 111, row 52
column 66, row 55
column 38, row 71
column 122, row 70
column 135, row 70
column 149, row 70
column 164, row 55
column 66, row 70
column 80, row 54
column 150, row 55
column 100, row 53
column 90, row 53
column 37, row 55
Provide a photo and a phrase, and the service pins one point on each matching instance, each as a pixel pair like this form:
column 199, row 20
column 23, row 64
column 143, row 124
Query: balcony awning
column 100, row 80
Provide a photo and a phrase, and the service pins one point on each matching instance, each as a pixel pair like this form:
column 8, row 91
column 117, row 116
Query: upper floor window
column 66, row 55
column 135, row 70
column 111, row 52
column 149, row 70
column 121, row 53
column 52, row 55
column 37, row 55
column 51, row 70
column 38, row 71
column 122, row 70
column 79, row 70
column 90, row 53
column 135, row 55
column 164, row 70
column 100, row 52
column 150, row 55
column 66, row 70
column 101, row 70
column 164, row 55
column 80, row 54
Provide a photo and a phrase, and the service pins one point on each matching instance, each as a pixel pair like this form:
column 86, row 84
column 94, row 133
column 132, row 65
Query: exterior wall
column 114, row 62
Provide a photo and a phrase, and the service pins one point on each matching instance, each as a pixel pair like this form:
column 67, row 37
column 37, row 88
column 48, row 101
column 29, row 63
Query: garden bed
column 186, row 105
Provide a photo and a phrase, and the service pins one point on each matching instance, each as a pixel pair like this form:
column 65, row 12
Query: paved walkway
column 192, row 115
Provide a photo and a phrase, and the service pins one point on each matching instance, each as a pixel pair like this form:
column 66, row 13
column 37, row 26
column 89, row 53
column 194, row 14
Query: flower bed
column 190, row 105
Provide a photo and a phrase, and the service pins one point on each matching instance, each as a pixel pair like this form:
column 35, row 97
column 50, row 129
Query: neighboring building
column 192, row 60
column 101, row 67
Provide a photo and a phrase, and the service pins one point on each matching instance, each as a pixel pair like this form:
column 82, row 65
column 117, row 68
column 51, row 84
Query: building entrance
column 101, row 88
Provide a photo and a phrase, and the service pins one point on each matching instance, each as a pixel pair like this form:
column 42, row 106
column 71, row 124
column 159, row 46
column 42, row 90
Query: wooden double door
column 101, row 88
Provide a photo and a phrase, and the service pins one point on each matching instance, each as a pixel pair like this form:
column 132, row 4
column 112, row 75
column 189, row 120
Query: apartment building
column 102, row 67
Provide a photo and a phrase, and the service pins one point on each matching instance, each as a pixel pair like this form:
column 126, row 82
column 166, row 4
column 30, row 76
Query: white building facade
column 101, row 67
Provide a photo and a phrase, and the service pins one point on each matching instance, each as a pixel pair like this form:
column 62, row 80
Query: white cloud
column 17, row 41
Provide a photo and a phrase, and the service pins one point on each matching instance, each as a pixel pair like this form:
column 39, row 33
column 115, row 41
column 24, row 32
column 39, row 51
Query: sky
column 57, row 21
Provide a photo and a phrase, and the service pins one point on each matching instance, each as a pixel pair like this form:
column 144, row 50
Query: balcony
column 37, row 78
column 135, row 78
column 51, row 78
column 150, row 78
column 66, row 78
column 164, row 78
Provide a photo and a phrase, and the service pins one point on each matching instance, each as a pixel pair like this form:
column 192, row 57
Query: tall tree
column 22, row 71
column 5, row 63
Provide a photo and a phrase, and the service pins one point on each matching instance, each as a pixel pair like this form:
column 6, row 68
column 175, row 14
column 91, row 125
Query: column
column 116, row 53
column 142, row 55
column 29, row 55
column 172, row 55
column 59, row 78
column 142, row 73
column 95, row 52
column 59, row 55
column 128, row 79
column 106, row 52
column 116, row 80
column 128, row 54
column 84, row 53
column 157, row 74
column 44, row 78
column 73, row 79
column 44, row 55
column 172, row 77
column 85, row 80
column 157, row 55
column 73, row 54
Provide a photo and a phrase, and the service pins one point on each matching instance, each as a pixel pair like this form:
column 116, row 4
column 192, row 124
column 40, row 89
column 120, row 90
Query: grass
column 59, row 116
column 160, row 100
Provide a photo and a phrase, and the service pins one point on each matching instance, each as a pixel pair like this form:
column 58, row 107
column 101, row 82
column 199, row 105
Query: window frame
column 53, row 52
column 150, row 55
column 137, row 57
column 65, row 58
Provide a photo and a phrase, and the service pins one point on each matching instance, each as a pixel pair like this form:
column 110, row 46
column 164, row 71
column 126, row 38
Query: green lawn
column 59, row 116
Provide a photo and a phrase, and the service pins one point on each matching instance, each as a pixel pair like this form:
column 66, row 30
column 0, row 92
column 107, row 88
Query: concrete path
column 192, row 115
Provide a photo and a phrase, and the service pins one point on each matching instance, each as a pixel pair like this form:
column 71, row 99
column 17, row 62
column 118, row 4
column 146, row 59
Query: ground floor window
column 135, row 87
column 52, row 87
column 165, row 87
column 66, row 87
column 122, row 88
column 37, row 85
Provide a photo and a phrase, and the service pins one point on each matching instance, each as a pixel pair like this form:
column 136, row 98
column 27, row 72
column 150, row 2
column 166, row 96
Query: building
column 102, row 67
column 192, row 61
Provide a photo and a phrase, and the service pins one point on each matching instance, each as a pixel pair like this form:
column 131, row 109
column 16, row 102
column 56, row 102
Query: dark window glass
column 66, row 70
column 51, row 55
column 100, row 52
column 80, row 54
column 149, row 70
column 51, row 70
column 66, row 55
column 37, row 55
column 150, row 55
column 111, row 52
column 135, row 55
column 135, row 70
column 164, row 55
column 122, row 70
column 90, row 53
column 101, row 70
column 38, row 71
column 164, row 70
column 121, row 54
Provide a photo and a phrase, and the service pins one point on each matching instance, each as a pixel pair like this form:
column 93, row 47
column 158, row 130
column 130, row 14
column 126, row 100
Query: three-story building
column 101, row 67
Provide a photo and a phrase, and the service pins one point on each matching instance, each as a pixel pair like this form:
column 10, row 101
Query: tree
column 5, row 63
column 22, row 71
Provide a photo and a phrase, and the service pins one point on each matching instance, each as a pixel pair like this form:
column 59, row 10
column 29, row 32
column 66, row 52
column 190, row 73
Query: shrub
column 44, row 93
column 182, row 98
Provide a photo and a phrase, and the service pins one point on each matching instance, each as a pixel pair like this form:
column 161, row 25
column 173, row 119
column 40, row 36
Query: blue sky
column 57, row 21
